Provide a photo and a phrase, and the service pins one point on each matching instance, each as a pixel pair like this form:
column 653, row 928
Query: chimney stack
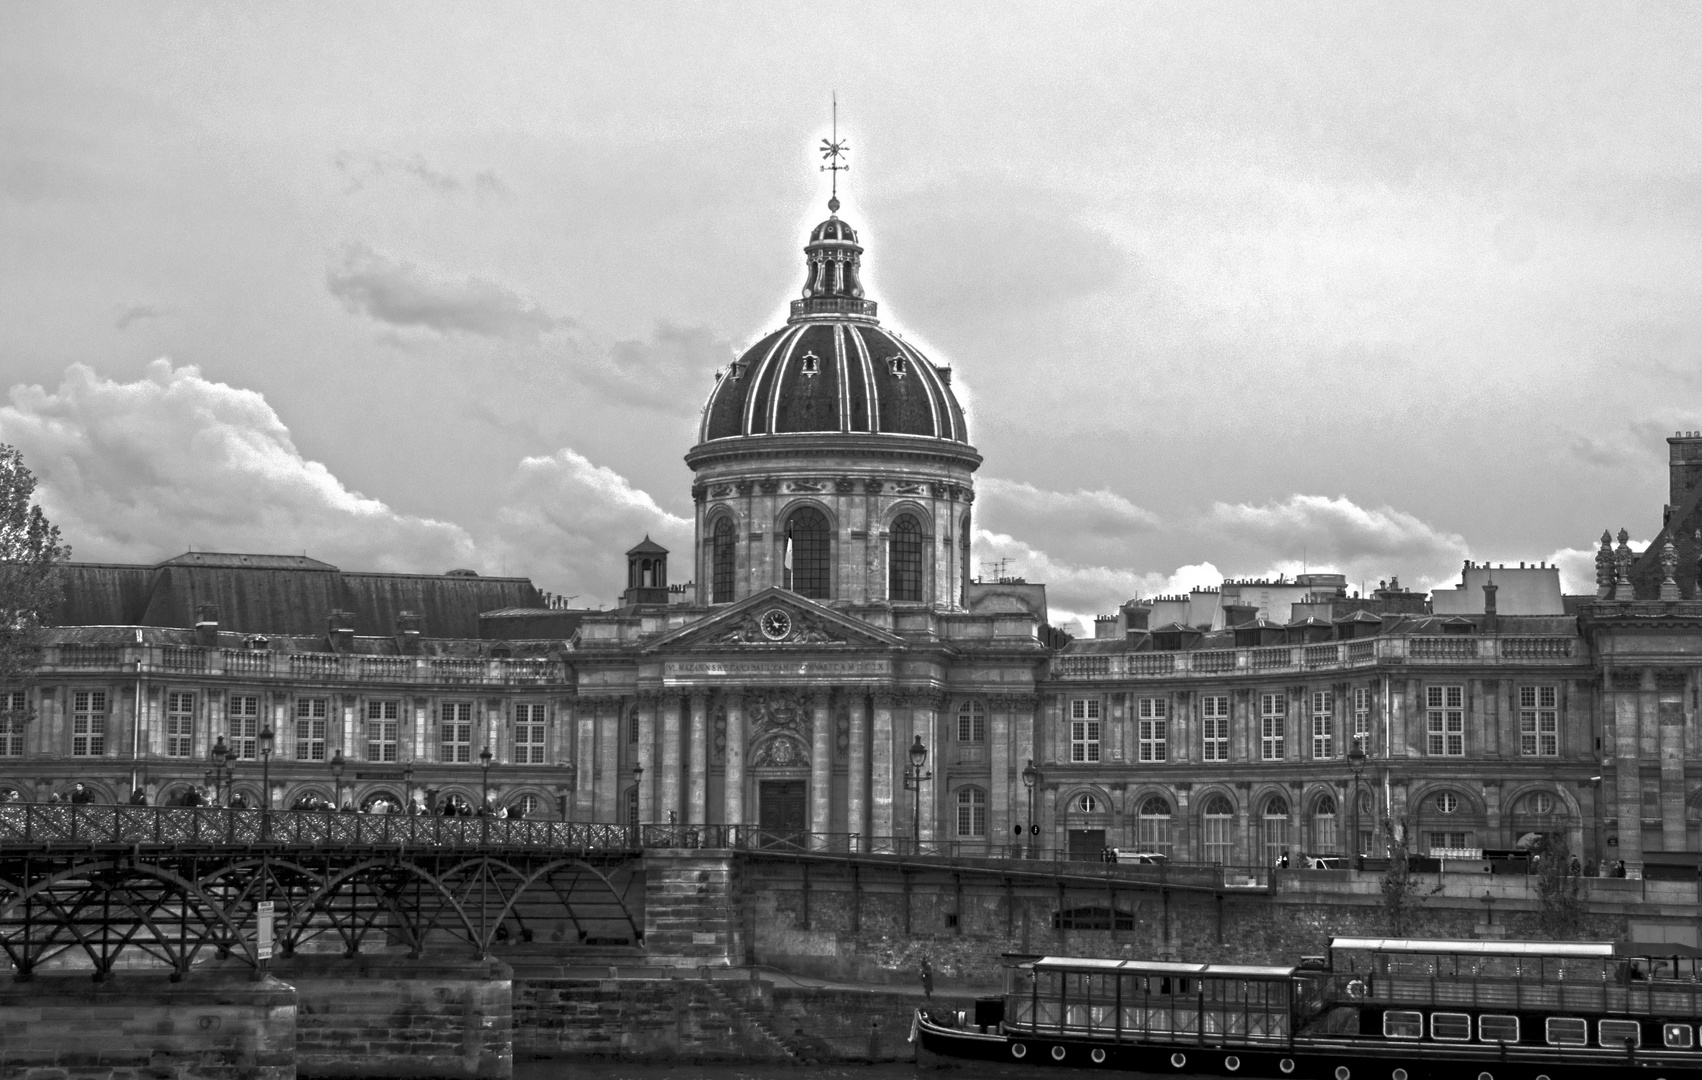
column 1490, row 621
column 409, row 627
column 206, row 625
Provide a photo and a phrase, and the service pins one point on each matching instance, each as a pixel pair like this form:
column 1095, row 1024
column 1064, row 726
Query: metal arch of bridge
column 83, row 886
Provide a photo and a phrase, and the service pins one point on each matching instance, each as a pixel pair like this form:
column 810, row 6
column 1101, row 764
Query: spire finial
column 831, row 151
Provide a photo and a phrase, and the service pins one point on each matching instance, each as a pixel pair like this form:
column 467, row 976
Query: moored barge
column 1372, row 1009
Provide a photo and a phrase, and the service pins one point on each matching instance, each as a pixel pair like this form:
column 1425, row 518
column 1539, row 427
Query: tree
column 30, row 557
column 1560, row 903
column 1401, row 895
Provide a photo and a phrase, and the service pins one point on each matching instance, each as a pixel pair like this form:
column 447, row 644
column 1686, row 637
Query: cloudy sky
column 414, row 286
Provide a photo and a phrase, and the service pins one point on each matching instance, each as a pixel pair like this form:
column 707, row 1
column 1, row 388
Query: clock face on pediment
column 776, row 624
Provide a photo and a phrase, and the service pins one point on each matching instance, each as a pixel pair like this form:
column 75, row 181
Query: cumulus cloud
column 1336, row 534
column 658, row 373
column 402, row 295
column 1081, row 526
column 137, row 471
column 570, row 522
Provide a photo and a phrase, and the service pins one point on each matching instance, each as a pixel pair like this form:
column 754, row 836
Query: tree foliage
column 30, row 557
column 1402, row 893
column 1560, row 903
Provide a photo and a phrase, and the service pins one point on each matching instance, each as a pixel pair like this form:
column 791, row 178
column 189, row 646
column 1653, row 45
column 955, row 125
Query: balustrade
column 1431, row 648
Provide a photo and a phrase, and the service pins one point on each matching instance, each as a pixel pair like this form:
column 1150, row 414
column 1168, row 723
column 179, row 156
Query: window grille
column 1539, row 721
column 455, row 731
column 1273, row 723
column 383, row 729
column 721, row 557
column 1153, row 720
column 971, row 812
column 812, row 553
column 971, row 722
column 1323, row 724
column 244, row 717
column 905, row 560
column 1214, row 727
column 528, row 734
column 88, row 723
column 1218, row 823
column 1084, row 730
column 311, row 715
column 1445, row 720
column 179, row 724
column 12, row 716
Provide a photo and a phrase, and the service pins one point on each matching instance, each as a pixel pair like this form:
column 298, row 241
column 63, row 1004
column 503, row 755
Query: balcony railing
column 260, row 664
column 1334, row 655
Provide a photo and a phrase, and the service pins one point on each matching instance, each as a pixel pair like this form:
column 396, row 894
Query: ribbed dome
column 833, row 375
column 833, row 368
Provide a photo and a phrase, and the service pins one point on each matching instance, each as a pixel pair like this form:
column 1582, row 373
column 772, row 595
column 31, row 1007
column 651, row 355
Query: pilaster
column 735, row 766
column 881, row 773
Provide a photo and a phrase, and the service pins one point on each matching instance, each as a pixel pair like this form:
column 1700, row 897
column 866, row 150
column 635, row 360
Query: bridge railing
column 51, row 824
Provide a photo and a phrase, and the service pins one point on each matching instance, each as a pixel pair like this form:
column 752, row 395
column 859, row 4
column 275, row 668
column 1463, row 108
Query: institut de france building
column 832, row 629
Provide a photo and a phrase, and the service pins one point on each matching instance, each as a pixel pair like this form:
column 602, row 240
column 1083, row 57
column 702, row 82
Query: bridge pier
column 216, row 1026
column 693, row 914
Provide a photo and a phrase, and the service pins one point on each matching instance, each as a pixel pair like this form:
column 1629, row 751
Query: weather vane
column 832, row 151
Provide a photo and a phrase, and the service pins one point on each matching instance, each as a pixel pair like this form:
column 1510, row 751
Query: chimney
column 341, row 631
column 1490, row 621
column 409, row 626
column 1684, row 467
column 206, row 625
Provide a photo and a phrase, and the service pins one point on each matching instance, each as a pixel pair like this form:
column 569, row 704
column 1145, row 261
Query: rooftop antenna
column 832, row 150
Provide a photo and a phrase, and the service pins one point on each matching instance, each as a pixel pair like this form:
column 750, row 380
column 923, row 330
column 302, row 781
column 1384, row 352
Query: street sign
column 263, row 930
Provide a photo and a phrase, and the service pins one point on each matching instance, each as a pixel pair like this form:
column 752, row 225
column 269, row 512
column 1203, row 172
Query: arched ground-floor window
column 1273, row 830
column 1153, row 826
column 1217, row 827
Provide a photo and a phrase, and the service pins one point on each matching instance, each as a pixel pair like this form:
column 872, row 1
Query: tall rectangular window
column 1445, row 720
column 528, row 734
column 1362, row 717
column 971, row 722
column 311, row 716
column 1539, row 721
column 456, row 731
column 1084, row 730
column 88, row 723
column 12, row 716
column 383, row 729
column 721, row 554
column 1214, row 727
column 1323, row 724
column 179, row 724
column 971, row 812
column 1154, row 717
column 1273, row 726
column 244, row 717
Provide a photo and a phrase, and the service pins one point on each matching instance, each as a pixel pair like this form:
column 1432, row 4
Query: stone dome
column 833, row 368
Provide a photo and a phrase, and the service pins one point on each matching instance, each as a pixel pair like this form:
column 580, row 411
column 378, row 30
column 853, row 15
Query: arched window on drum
column 809, row 554
column 904, row 560
column 721, row 555
column 1217, row 823
column 1273, row 830
column 1153, row 826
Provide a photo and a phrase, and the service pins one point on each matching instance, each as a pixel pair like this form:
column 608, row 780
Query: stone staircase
column 793, row 1050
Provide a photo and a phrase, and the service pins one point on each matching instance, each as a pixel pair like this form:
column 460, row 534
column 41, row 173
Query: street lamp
column 1030, row 777
column 913, row 782
column 219, row 776
column 267, row 738
column 337, row 779
column 485, row 794
column 638, row 791
column 408, row 788
column 1356, row 762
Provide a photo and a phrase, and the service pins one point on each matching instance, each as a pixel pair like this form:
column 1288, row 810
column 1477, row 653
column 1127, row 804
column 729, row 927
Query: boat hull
column 1304, row 1059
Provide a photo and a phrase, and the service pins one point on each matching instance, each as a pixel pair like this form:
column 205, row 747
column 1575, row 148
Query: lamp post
column 1356, row 762
column 485, row 793
column 337, row 779
column 637, row 800
column 219, row 776
column 913, row 781
column 267, row 738
column 1030, row 777
column 408, row 789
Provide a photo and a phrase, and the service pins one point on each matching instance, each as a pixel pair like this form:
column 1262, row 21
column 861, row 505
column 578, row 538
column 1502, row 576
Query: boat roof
column 1164, row 967
column 1475, row 947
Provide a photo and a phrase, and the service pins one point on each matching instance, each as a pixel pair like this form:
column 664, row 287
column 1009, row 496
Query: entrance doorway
column 1087, row 845
column 780, row 812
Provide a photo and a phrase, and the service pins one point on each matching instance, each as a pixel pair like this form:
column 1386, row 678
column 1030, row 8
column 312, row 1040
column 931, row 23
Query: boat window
column 1450, row 1027
column 1567, row 1031
column 1676, row 1036
column 1613, row 1033
column 1498, row 1029
column 1400, row 1024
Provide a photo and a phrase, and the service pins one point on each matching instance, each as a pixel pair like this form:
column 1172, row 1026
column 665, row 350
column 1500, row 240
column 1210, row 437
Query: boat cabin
column 1139, row 1000
column 1553, row 993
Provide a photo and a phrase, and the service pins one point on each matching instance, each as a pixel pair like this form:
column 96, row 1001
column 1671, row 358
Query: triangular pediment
column 775, row 620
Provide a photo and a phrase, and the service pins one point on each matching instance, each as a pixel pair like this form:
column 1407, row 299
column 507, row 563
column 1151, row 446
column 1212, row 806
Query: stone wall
column 646, row 1018
column 390, row 1016
column 139, row 1027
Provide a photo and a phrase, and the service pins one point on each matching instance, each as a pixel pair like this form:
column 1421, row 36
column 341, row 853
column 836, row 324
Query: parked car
column 1135, row 856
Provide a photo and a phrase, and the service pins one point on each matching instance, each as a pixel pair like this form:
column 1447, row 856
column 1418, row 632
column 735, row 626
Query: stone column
column 609, row 786
column 669, row 782
column 645, row 718
column 999, row 774
column 857, row 772
column 697, row 799
column 1628, row 781
column 1671, row 719
column 821, row 766
column 881, row 777
column 585, row 757
column 735, row 771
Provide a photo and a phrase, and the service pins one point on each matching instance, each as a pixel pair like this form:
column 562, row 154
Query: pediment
column 775, row 620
